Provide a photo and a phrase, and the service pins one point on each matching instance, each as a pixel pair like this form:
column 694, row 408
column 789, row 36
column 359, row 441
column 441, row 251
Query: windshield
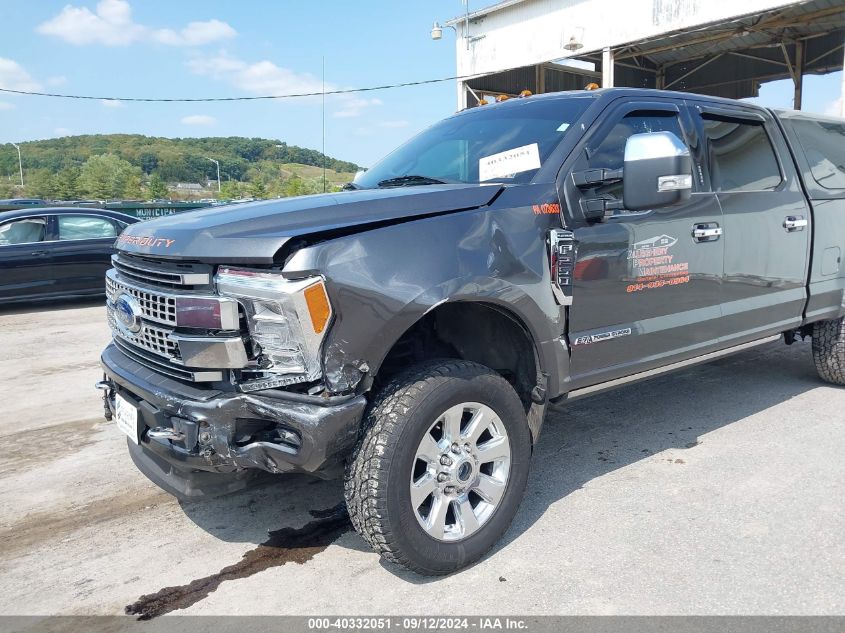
column 502, row 143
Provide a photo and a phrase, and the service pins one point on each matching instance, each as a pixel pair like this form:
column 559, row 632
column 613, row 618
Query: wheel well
column 472, row 331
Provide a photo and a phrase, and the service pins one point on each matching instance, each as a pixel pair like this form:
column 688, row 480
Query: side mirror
column 657, row 171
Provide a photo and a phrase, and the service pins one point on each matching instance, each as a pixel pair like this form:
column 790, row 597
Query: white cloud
column 57, row 80
column 354, row 106
column 111, row 103
column 198, row 119
column 14, row 77
column 267, row 78
column 834, row 108
column 262, row 77
column 5, row 105
column 111, row 24
column 196, row 34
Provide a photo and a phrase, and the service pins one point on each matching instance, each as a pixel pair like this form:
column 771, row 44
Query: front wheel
column 441, row 468
column 829, row 350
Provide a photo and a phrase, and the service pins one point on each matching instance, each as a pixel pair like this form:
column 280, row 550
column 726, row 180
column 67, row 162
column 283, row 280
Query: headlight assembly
column 287, row 320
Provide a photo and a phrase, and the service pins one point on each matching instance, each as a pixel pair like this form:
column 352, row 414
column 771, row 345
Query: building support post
column 462, row 95
column 798, row 79
column 607, row 67
column 539, row 79
column 842, row 92
column 660, row 78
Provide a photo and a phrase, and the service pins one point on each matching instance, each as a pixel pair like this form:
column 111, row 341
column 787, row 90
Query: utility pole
column 20, row 164
column 218, row 171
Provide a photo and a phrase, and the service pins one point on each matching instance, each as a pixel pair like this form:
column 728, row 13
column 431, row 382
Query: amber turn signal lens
column 318, row 306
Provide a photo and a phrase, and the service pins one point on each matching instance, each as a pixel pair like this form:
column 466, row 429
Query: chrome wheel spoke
column 479, row 421
column 422, row 488
column 429, row 450
column 452, row 423
column 493, row 450
column 436, row 521
column 466, row 516
column 489, row 489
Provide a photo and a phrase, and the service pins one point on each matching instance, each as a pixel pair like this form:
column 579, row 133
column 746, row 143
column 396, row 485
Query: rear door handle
column 706, row 232
column 794, row 223
column 39, row 253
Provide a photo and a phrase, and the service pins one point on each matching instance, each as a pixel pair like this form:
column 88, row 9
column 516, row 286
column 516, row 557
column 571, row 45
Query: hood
column 253, row 232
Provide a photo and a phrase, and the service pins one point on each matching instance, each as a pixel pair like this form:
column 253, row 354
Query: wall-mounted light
column 575, row 41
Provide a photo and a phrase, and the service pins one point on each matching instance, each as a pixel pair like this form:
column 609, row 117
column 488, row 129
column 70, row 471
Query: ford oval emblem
column 127, row 311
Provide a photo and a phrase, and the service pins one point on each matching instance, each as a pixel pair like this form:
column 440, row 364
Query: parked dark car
column 57, row 252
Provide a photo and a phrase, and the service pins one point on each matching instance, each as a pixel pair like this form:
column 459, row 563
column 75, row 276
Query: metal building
column 717, row 47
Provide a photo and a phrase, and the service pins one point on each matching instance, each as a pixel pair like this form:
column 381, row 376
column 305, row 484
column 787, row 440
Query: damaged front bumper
column 197, row 442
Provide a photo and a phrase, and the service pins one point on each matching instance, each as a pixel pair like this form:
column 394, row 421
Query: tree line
column 131, row 166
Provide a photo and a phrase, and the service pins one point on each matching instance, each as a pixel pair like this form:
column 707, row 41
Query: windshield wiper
column 409, row 181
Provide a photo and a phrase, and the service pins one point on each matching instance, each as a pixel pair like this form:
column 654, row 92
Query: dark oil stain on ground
column 283, row 546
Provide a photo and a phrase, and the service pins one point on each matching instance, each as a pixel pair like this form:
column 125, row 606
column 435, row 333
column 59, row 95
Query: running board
column 651, row 373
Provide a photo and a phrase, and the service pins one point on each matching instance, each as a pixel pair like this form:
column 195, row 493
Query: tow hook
column 163, row 433
column 107, row 387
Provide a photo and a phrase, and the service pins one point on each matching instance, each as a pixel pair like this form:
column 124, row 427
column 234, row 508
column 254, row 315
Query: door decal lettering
column 653, row 265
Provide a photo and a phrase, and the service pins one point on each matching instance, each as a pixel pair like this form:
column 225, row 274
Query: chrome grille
column 156, row 307
column 163, row 367
column 170, row 277
column 164, row 291
column 151, row 338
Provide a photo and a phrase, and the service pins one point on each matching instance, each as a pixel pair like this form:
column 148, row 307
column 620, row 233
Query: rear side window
column 85, row 227
column 823, row 143
column 740, row 155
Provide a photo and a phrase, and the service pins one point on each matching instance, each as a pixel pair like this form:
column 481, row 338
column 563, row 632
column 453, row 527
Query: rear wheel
column 829, row 350
column 441, row 468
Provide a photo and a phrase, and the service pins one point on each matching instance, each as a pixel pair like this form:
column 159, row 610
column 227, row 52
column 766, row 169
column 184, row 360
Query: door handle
column 39, row 253
column 706, row 232
column 794, row 223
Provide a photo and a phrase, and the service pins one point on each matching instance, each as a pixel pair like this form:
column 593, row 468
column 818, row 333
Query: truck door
column 766, row 221
column 645, row 289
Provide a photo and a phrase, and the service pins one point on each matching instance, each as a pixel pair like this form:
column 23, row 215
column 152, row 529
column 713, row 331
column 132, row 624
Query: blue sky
column 162, row 48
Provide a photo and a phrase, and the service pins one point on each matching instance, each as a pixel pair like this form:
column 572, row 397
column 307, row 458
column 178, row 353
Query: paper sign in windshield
column 510, row 162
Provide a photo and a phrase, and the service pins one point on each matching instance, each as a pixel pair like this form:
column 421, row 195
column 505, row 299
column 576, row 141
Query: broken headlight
column 287, row 319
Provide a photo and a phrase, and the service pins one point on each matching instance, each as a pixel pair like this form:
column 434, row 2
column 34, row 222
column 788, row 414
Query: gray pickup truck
column 409, row 333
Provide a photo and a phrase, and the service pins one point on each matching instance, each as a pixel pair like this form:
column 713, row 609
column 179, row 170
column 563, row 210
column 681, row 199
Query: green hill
column 131, row 165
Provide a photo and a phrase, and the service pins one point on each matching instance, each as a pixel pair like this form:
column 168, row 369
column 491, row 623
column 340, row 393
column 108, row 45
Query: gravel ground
column 713, row 491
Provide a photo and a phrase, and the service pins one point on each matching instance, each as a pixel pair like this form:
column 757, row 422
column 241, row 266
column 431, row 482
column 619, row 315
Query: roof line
column 480, row 13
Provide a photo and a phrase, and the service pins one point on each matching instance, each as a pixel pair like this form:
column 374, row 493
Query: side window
column 824, row 147
column 610, row 152
column 85, row 227
column 24, row 231
column 740, row 155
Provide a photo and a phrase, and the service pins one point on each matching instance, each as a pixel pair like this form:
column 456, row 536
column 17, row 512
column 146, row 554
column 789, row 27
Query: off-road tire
column 376, row 485
column 829, row 350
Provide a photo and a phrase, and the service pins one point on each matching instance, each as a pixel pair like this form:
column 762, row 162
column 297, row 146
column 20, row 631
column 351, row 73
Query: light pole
column 218, row 171
column 20, row 164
